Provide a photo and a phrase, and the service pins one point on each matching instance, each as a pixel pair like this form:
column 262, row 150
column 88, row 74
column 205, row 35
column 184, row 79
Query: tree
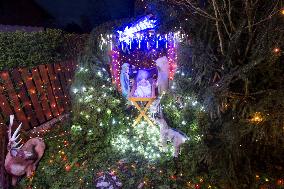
column 235, row 58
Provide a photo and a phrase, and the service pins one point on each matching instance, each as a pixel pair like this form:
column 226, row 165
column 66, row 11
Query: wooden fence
column 35, row 96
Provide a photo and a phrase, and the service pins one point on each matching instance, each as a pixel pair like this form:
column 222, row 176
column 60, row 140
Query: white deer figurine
column 155, row 107
column 170, row 134
column 21, row 160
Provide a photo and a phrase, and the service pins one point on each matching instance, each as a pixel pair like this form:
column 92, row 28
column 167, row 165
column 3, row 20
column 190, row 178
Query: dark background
column 71, row 15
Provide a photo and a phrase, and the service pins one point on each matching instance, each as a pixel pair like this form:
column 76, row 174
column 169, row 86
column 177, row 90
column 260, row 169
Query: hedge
column 27, row 49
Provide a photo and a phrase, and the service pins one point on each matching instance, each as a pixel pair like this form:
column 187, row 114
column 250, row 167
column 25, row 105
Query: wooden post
column 4, row 177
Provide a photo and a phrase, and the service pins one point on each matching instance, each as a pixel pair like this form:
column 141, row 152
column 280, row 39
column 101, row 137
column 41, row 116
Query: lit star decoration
column 128, row 34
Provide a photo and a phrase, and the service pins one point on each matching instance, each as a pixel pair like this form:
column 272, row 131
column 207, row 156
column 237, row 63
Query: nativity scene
column 175, row 94
column 143, row 63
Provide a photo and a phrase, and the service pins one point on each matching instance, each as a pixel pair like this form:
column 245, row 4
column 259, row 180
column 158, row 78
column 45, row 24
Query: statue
column 23, row 159
column 124, row 80
column 170, row 134
column 163, row 74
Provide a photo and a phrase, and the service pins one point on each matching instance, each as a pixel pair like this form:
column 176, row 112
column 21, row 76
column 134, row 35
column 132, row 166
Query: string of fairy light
column 142, row 58
column 144, row 141
column 32, row 86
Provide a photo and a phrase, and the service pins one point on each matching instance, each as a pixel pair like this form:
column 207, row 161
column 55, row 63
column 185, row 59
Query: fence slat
column 43, row 99
column 60, row 91
column 2, row 122
column 64, row 70
column 23, row 95
column 33, row 94
column 59, row 71
column 55, row 87
column 47, row 85
column 5, row 106
column 68, row 74
column 14, row 100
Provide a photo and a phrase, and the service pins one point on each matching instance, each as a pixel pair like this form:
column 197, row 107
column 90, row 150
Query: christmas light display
column 101, row 133
column 145, row 141
column 142, row 40
column 128, row 33
column 139, row 46
column 171, row 54
column 115, row 67
column 257, row 118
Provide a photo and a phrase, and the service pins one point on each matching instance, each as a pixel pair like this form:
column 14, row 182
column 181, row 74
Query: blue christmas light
column 143, row 24
column 140, row 35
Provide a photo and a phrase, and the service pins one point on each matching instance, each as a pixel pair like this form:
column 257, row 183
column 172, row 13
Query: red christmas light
column 280, row 182
column 197, row 186
column 67, row 168
column 77, row 164
column 276, row 50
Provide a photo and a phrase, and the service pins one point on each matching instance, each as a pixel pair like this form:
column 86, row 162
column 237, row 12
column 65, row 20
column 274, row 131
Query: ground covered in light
column 144, row 140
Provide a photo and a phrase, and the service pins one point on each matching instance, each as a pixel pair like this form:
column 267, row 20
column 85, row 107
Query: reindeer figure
column 155, row 108
column 170, row 134
column 21, row 160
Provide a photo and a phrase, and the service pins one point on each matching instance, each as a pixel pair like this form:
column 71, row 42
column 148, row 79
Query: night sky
column 87, row 13
column 64, row 14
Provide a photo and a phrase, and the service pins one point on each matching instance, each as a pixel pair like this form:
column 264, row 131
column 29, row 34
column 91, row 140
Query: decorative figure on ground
column 23, row 159
column 143, row 94
column 155, row 108
column 163, row 74
column 107, row 180
column 170, row 134
column 144, row 89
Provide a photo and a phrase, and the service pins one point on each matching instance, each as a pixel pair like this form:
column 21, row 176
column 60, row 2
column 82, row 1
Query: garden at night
column 158, row 94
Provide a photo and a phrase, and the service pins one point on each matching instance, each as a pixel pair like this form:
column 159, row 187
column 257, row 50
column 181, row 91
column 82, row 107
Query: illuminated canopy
column 140, row 45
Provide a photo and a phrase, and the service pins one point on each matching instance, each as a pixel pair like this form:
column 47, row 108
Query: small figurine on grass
column 170, row 134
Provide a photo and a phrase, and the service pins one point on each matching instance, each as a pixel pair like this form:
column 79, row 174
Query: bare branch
column 215, row 6
column 199, row 11
column 270, row 15
column 222, row 19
